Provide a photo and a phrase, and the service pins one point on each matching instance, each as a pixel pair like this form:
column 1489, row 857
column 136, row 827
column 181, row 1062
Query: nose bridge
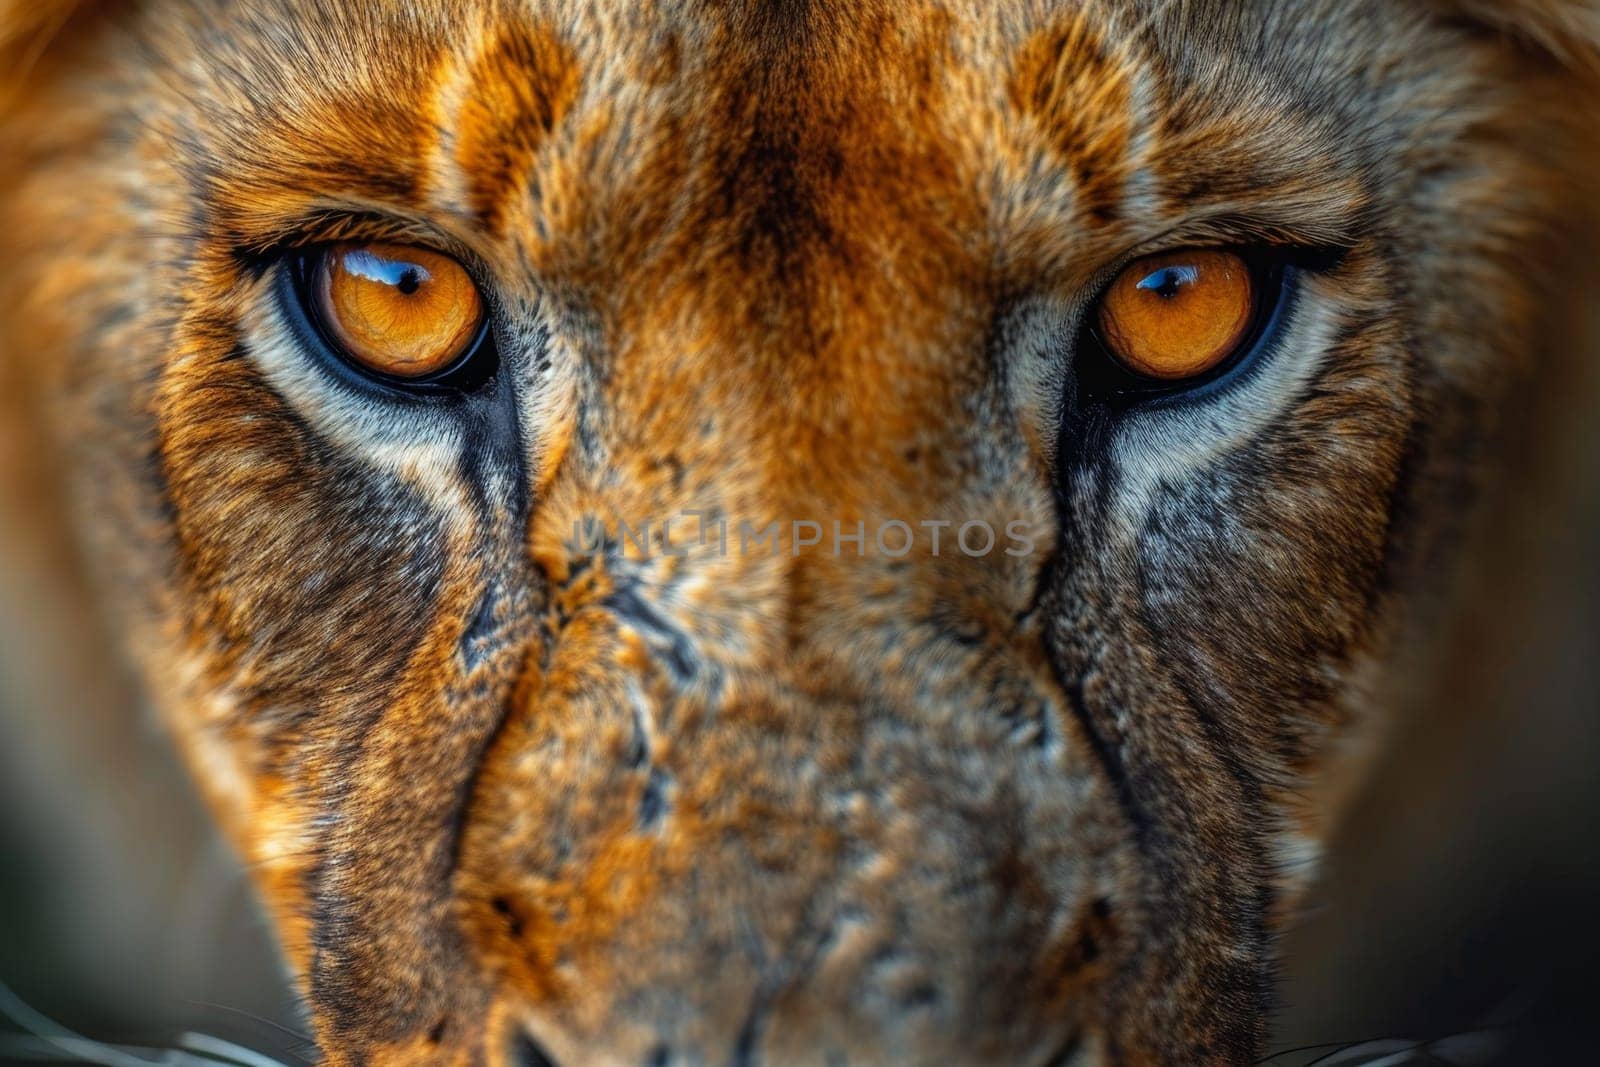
column 708, row 420
column 754, row 795
column 811, row 513
column 771, row 774
column 793, row 458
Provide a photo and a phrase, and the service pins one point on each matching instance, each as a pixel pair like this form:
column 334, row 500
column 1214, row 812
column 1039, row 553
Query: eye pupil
column 410, row 281
column 1168, row 280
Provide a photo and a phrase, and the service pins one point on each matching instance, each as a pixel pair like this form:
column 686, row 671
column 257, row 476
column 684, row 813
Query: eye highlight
column 396, row 311
column 1176, row 316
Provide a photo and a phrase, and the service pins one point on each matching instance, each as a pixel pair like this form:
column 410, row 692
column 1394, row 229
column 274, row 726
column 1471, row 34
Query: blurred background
column 121, row 913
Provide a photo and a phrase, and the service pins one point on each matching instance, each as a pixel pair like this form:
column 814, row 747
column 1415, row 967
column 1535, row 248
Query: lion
column 781, row 531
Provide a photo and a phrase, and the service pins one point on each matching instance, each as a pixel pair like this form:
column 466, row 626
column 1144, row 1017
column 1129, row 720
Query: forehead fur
column 781, row 129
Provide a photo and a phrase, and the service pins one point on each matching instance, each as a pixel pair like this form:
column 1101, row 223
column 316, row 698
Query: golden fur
column 788, row 260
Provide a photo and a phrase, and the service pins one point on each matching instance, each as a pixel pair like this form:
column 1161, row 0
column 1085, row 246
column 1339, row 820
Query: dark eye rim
column 1104, row 378
column 475, row 368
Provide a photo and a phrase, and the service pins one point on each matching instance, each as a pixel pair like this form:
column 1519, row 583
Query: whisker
column 21, row 1048
column 40, row 1049
column 287, row 1031
column 62, row 1040
column 216, row 1047
column 1351, row 1054
column 1468, row 1049
column 1297, row 1050
column 45, row 1039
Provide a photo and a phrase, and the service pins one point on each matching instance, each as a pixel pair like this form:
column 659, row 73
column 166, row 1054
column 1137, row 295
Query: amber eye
column 395, row 310
column 1177, row 316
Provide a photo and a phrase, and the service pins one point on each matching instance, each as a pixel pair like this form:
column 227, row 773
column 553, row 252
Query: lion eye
column 396, row 311
column 1176, row 316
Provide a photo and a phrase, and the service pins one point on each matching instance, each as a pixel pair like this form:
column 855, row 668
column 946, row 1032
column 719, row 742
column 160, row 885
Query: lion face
column 628, row 686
